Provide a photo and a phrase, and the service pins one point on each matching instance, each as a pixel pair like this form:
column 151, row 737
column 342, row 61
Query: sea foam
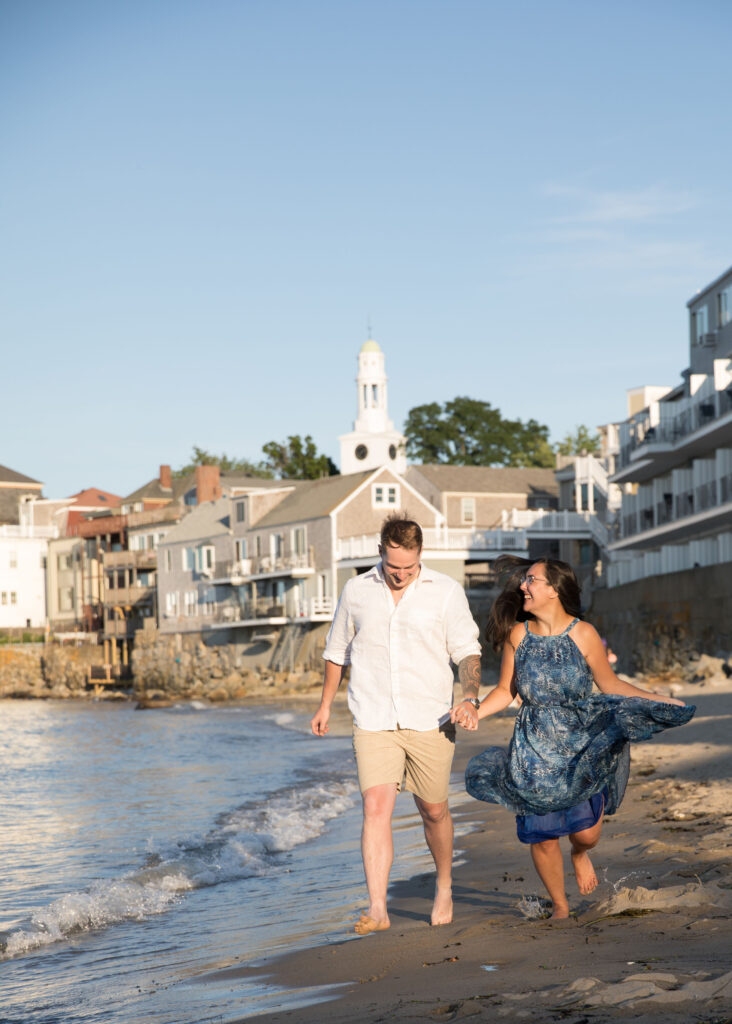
column 244, row 842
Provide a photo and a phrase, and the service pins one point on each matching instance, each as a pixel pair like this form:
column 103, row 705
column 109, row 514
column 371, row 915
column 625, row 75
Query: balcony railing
column 281, row 564
column 147, row 559
column 231, row 612
column 28, row 531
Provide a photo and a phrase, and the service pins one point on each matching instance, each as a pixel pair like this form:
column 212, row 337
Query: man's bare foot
column 366, row 924
column 583, row 869
column 442, row 907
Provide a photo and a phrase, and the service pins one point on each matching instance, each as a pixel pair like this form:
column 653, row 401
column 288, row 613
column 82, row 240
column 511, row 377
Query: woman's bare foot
column 560, row 911
column 583, row 869
column 442, row 907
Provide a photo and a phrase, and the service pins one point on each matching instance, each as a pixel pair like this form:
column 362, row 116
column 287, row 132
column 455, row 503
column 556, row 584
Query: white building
column 373, row 442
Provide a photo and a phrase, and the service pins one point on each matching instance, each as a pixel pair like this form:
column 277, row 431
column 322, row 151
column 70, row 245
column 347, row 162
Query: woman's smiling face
column 535, row 587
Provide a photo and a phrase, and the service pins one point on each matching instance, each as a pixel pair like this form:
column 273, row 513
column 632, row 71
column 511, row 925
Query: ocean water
column 144, row 850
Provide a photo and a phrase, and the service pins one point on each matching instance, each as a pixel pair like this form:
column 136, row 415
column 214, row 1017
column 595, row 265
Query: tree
column 297, row 459
column 579, row 443
column 468, row 432
column 200, row 457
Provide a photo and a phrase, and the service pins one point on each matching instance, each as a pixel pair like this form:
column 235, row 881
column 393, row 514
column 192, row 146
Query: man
column 398, row 626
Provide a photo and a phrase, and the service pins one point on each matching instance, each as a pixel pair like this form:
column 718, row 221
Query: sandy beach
column 652, row 943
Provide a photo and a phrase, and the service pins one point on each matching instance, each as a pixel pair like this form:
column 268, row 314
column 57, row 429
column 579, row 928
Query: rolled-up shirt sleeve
column 462, row 629
column 341, row 633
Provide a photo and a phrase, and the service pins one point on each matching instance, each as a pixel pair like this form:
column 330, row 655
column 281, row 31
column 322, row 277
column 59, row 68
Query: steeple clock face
column 392, row 451
column 361, row 451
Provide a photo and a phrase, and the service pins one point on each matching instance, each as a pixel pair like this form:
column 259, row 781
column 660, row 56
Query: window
column 13, row 559
column 298, row 540
column 189, row 559
column 171, row 604
column 385, row 495
column 240, row 549
column 276, row 545
column 168, row 560
column 701, row 323
column 191, row 600
column 4, row 597
column 63, row 561
column 241, row 511
column 467, row 510
column 207, row 558
column 13, row 597
column 724, row 300
column 258, row 545
column 65, row 599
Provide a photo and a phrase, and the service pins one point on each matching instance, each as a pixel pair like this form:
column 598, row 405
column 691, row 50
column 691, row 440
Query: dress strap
column 526, row 625
column 572, row 624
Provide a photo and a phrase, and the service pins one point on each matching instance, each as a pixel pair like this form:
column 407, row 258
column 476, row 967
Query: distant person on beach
column 569, row 757
column 398, row 626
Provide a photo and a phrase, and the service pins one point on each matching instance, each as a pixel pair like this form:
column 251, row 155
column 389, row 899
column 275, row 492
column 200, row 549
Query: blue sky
column 202, row 204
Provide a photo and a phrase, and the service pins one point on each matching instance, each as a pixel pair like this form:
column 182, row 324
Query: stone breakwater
column 162, row 670
column 184, row 668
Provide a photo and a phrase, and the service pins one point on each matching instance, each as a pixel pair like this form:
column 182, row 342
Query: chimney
column 208, row 484
column 166, row 480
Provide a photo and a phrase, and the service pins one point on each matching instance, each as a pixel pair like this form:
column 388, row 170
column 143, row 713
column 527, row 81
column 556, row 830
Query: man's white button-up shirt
column 400, row 653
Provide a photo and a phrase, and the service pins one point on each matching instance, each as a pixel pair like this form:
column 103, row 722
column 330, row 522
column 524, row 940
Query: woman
column 569, row 757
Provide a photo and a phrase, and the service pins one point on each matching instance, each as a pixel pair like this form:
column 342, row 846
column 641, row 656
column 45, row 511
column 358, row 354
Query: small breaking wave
column 244, row 843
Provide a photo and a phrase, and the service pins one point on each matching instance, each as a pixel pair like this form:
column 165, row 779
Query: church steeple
column 373, row 441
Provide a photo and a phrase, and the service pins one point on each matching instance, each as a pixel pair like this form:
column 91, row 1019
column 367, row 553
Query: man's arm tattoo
column 469, row 675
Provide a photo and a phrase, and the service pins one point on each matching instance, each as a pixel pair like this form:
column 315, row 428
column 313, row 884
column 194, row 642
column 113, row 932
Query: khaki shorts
column 419, row 762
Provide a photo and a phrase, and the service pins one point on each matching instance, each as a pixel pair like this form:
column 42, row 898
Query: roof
column 182, row 484
column 313, row 499
column 370, row 346
column 95, row 497
column 488, row 479
column 203, row 522
column 10, row 476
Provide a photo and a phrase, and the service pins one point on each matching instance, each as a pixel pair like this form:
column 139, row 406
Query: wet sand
column 652, row 943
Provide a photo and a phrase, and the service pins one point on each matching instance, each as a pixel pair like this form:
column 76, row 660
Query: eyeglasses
column 533, row 579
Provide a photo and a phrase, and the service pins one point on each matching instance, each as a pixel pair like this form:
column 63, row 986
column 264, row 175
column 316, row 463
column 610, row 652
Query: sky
column 204, row 205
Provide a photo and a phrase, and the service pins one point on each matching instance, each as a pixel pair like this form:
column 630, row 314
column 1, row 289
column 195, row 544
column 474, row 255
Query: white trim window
column 171, row 603
column 385, row 495
column 701, row 323
column 190, row 599
column 207, row 555
column 724, row 300
column 189, row 559
column 240, row 549
column 467, row 511
column 299, row 540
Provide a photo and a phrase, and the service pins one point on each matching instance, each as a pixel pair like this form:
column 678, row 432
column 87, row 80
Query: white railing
column 536, row 520
column 671, row 558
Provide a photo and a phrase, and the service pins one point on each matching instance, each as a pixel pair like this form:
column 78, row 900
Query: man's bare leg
column 438, row 832
column 377, row 849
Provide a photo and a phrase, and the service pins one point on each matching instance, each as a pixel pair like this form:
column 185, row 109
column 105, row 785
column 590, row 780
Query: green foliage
column 468, row 432
column 297, row 459
column 582, row 441
column 199, row 457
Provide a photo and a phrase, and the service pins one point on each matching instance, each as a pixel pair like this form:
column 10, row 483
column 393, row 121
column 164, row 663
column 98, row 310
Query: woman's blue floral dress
column 570, row 752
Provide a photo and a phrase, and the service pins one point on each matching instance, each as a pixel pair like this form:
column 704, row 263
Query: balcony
column 550, row 524
column 232, row 570
column 147, row 559
column 447, row 539
column 669, row 434
column 262, row 610
column 292, row 564
column 126, row 597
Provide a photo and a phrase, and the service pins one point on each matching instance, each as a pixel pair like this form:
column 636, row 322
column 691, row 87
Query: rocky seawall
column 184, row 668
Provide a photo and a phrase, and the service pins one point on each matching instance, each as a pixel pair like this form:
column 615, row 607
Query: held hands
column 465, row 715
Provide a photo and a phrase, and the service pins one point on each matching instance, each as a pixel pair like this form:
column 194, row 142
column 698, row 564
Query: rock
column 218, row 695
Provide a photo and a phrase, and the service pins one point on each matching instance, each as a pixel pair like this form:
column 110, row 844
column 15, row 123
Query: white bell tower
column 373, row 441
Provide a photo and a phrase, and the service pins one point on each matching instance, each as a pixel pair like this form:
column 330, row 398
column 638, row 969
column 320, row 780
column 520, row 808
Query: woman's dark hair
column 508, row 607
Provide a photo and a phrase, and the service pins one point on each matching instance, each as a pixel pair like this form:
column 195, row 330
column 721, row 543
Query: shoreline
column 652, row 942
